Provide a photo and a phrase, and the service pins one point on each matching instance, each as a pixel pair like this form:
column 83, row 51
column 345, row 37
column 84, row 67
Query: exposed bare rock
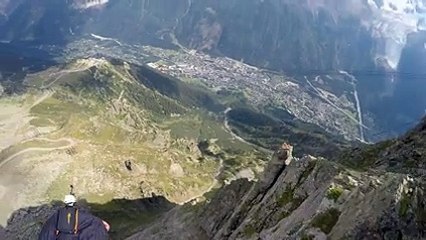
column 209, row 33
column 176, row 170
column 176, row 225
column 25, row 224
column 147, row 191
column 193, row 147
column 308, row 198
column 141, row 168
column 246, row 173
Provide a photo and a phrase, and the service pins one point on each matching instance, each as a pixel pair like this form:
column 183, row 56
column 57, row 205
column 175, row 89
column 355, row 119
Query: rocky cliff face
column 306, row 198
column 313, row 199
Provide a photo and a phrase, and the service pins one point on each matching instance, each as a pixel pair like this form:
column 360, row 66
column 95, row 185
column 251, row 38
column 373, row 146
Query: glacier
column 393, row 21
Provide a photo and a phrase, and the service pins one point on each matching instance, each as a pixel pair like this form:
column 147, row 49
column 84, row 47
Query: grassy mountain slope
column 78, row 123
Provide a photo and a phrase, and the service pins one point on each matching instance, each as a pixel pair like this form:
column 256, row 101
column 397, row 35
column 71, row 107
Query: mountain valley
column 215, row 119
column 85, row 119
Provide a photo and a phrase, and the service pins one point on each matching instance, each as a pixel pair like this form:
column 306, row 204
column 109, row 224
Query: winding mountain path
column 70, row 144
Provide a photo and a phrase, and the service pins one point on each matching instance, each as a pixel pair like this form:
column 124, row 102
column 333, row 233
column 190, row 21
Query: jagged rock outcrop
column 27, row 223
column 308, row 199
column 271, row 175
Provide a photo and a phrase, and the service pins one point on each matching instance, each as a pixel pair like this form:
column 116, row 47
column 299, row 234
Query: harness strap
column 75, row 231
column 57, row 221
column 76, row 222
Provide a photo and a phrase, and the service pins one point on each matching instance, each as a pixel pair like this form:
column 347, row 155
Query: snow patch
column 84, row 4
column 392, row 22
column 404, row 6
column 389, row 21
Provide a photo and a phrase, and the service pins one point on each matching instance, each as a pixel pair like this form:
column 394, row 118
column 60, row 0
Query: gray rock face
column 26, row 224
column 280, row 160
column 308, row 199
column 2, row 232
column 222, row 207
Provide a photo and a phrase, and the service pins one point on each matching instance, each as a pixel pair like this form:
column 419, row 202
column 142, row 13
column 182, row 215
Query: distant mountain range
column 380, row 42
column 181, row 108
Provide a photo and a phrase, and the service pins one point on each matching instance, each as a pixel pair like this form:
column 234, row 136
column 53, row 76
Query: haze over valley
column 174, row 113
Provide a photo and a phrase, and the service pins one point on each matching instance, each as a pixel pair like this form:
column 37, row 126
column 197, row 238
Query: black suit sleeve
column 91, row 227
column 48, row 231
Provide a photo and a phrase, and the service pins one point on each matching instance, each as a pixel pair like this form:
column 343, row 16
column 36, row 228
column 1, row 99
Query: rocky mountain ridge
column 81, row 89
column 307, row 198
column 85, row 119
column 311, row 199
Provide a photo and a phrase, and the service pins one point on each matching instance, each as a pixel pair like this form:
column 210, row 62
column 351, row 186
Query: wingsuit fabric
column 89, row 228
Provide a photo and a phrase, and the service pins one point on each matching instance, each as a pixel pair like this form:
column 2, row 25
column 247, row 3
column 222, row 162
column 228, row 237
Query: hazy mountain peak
column 388, row 21
column 393, row 21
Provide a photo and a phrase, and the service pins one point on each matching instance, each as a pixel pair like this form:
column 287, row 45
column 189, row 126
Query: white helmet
column 70, row 199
